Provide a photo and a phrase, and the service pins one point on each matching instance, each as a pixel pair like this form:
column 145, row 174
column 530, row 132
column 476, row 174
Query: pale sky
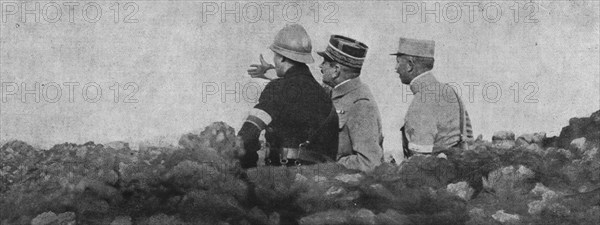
column 546, row 64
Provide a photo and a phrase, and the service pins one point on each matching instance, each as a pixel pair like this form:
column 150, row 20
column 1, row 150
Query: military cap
column 415, row 47
column 346, row 51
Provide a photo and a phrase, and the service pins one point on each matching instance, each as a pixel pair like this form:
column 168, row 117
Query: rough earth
column 531, row 179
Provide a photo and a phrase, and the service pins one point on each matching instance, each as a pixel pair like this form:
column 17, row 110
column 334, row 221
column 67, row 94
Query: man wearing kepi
column 360, row 137
column 436, row 118
column 299, row 118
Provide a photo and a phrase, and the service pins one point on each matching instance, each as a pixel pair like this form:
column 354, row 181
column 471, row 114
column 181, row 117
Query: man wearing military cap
column 298, row 115
column 436, row 118
column 360, row 136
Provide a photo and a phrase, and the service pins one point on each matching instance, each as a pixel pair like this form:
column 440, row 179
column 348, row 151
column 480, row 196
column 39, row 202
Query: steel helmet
column 293, row 42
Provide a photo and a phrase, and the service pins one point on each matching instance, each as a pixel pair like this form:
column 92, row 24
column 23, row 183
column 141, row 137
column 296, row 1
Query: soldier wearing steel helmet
column 296, row 112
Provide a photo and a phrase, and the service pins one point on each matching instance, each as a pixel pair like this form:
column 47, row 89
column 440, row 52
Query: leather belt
column 296, row 154
column 290, row 153
column 421, row 153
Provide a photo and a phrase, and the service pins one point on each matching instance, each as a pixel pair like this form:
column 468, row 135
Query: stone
column 363, row 216
column 503, row 217
column 392, row 217
column 525, row 172
column 503, row 135
column 579, row 127
column 223, row 139
column 99, row 187
column 420, row 171
column 340, row 217
column 81, row 151
column 478, row 217
column 578, row 143
column 50, row 218
column 539, row 189
column 332, row 217
column 476, row 212
column 534, row 147
column 67, row 218
column 380, row 191
column 558, row 209
column 258, row 215
column 44, row 219
column 539, row 137
column 349, row 178
column 536, row 207
column 274, row 218
column 590, row 154
column 506, row 177
column 524, row 139
column 503, row 139
column 122, row 220
column 461, row 189
column 583, row 189
column 300, row 178
column 595, row 117
column 556, row 152
column 95, row 206
column 549, row 197
column 335, row 191
column 535, row 138
column 192, row 142
column 350, row 196
column 319, row 179
column 108, row 176
column 162, row 219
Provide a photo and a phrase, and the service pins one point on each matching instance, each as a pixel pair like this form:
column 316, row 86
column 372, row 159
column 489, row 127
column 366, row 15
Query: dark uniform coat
column 293, row 108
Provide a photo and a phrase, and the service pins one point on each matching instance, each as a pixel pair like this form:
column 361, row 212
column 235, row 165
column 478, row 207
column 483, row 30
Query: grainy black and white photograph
column 396, row 112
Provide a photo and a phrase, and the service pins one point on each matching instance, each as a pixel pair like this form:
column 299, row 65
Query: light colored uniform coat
column 433, row 117
column 360, row 136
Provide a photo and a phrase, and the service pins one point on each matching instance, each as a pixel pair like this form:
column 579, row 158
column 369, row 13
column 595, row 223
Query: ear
column 410, row 64
column 338, row 70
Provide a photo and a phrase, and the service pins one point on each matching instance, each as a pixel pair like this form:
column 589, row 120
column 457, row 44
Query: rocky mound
column 507, row 181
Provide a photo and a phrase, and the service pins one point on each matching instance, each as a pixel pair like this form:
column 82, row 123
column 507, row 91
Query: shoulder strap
column 461, row 140
column 360, row 99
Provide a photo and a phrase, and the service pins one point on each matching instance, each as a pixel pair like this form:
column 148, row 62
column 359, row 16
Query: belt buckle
column 267, row 154
column 301, row 147
column 283, row 156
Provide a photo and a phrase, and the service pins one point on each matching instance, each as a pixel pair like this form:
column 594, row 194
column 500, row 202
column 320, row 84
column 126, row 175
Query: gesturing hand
column 259, row 70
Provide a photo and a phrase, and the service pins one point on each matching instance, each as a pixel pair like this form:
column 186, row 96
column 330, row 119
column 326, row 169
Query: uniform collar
column 422, row 80
column 298, row 69
column 346, row 87
column 343, row 82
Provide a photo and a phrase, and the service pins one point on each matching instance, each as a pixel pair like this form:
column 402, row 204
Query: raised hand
column 259, row 70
